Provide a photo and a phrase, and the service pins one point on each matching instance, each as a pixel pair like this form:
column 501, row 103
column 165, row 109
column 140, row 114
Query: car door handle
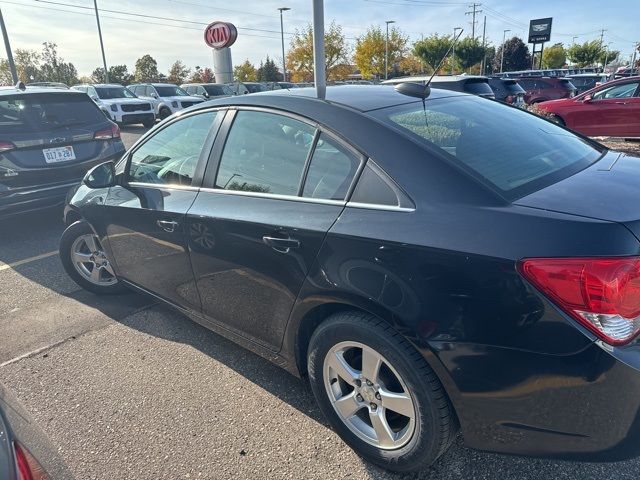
column 167, row 226
column 282, row 245
column 620, row 103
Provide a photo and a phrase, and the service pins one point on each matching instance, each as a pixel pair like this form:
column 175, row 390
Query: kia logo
column 220, row 35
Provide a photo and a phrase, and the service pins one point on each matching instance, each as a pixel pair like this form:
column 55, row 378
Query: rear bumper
column 583, row 406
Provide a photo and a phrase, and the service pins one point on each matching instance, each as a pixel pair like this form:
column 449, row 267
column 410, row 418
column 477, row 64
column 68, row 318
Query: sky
column 71, row 24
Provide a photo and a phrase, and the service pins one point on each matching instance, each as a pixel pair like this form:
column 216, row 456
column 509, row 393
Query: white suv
column 166, row 98
column 120, row 104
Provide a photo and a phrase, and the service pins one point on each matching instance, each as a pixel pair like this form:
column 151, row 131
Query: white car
column 208, row 91
column 120, row 104
column 166, row 98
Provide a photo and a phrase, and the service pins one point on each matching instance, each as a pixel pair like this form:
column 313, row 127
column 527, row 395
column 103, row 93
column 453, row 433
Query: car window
column 617, row 91
column 331, row 171
column 170, row 91
column 92, row 92
column 375, row 187
column 106, row 93
column 171, row 155
column 266, row 153
column 514, row 151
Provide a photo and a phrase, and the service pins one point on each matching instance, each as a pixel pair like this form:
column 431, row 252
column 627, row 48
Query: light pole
column 7, row 45
column 453, row 49
column 386, row 50
column 504, row 36
column 284, row 61
column 104, row 59
column 606, row 56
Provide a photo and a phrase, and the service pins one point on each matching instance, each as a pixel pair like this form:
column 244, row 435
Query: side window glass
column 375, row 187
column 331, row 171
column 625, row 90
column 171, row 155
column 266, row 153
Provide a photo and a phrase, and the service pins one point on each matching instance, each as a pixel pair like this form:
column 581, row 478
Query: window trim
column 202, row 159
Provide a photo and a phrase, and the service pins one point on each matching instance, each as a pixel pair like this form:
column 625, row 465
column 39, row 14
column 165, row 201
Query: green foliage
column 608, row 56
column 245, row 72
column 370, row 51
column 178, row 73
column 54, row 68
column 585, row 54
column 146, row 70
column 432, row 49
column 268, row 71
column 469, row 52
column 554, row 56
column 117, row 74
column 516, row 56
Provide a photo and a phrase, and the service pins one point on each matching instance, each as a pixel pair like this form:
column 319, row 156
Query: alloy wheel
column 91, row 262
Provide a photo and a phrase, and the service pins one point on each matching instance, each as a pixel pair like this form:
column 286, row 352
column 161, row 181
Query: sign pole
column 319, row 70
column 104, row 59
column 7, row 45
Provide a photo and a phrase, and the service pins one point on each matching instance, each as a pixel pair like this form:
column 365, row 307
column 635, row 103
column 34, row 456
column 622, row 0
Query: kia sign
column 220, row 35
column 540, row 30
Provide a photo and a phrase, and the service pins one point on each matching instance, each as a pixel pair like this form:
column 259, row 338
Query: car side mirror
column 587, row 99
column 101, row 176
column 154, row 95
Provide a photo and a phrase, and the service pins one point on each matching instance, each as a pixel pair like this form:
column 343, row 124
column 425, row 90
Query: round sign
column 220, row 34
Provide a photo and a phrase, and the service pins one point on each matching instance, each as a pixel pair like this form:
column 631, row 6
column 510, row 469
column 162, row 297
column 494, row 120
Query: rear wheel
column 164, row 113
column 378, row 393
column 86, row 262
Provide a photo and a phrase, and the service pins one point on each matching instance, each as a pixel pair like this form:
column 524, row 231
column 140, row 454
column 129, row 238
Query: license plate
column 58, row 154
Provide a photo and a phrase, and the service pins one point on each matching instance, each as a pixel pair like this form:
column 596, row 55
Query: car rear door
column 144, row 216
column 271, row 193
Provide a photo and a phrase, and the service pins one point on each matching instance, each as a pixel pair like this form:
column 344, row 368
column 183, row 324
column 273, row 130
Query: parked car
column 587, row 81
column 49, row 138
column 541, row 89
column 166, row 98
column 476, row 85
column 426, row 261
column 612, row 109
column 208, row 91
column 120, row 104
column 507, row 90
column 48, row 84
column 25, row 451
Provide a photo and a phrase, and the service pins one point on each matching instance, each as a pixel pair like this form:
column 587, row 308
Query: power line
column 473, row 12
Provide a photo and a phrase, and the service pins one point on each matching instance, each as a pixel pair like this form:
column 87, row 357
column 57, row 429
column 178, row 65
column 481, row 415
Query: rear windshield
column 566, row 83
column 46, row 112
column 170, row 91
column 478, row 88
column 255, row 87
column 511, row 150
column 218, row 90
column 512, row 86
column 107, row 93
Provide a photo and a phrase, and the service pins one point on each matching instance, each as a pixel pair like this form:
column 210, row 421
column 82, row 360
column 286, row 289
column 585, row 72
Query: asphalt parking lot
column 127, row 388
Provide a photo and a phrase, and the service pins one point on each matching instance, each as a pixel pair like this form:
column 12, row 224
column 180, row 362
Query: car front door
column 272, row 192
column 144, row 215
column 611, row 111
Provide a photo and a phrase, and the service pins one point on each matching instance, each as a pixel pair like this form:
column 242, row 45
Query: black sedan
column 429, row 265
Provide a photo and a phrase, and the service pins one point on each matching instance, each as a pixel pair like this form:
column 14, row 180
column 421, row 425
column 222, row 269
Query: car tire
column 92, row 274
column 557, row 119
column 408, row 443
column 149, row 123
column 164, row 113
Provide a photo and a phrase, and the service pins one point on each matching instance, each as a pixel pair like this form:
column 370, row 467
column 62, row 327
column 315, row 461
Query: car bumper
column 129, row 118
column 583, row 406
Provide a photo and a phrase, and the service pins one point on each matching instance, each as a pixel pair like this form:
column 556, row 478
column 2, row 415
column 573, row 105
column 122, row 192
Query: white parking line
column 7, row 266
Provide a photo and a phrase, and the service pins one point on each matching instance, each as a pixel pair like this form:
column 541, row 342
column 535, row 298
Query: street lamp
column 284, row 61
column 386, row 51
column 453, row 48
column 504, row 35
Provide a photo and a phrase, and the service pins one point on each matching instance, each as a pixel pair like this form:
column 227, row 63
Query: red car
column 610, row 110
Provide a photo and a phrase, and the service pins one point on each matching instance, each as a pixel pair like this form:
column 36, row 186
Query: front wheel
column 149, row 123
column 85, row 260
column 164, row 113
column 557, row 119
column 378, row 393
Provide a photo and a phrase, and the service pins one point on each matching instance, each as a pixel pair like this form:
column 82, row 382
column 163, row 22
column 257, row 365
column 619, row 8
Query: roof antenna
column 422, row 90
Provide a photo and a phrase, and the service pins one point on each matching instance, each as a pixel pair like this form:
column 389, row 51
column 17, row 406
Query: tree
column 516, row 56
column 245, row 72
column 608, row 56
column 146, row 69
column 54, row 68
column 411, row 65
column 469, row 52
column 268, row 71
column 585, row 54
column 432, row 49
column 490, row 54
column 207, row 75
column 117, row 74
column 370, row 51
column 178, row 72
column 554, row 56
column 300, row 54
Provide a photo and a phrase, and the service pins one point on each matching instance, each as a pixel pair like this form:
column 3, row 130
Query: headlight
column 174, row 104
column 114, row 107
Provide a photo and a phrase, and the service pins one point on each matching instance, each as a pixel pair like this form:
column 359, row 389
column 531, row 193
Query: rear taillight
column 27, row 465
column 6, row 146
column 603, row 294
column 106, row 134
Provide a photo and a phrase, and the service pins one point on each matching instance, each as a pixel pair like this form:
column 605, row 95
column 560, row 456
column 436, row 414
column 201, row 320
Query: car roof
column 6, row 91
column 578, row 75
column 363, row 98
column 437, row 78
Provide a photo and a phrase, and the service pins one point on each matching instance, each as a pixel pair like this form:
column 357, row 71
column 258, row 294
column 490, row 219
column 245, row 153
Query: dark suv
column 541, row 89
column 49, row 138
column 473, row 84
column 507, row 90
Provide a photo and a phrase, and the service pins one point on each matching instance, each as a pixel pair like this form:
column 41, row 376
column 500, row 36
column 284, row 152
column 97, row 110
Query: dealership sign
column 540, row 30
column 220, row 35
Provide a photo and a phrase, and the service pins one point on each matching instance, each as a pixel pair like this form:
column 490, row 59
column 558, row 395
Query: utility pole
column 7, row 46
column 484, row 45
column 319, row 65
column 104, row 59
column 601, row 36
column 504, row 35
column 453, row 49
column 633, row 60
column 284, row 61
column 473, row 12
column 386, row 50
